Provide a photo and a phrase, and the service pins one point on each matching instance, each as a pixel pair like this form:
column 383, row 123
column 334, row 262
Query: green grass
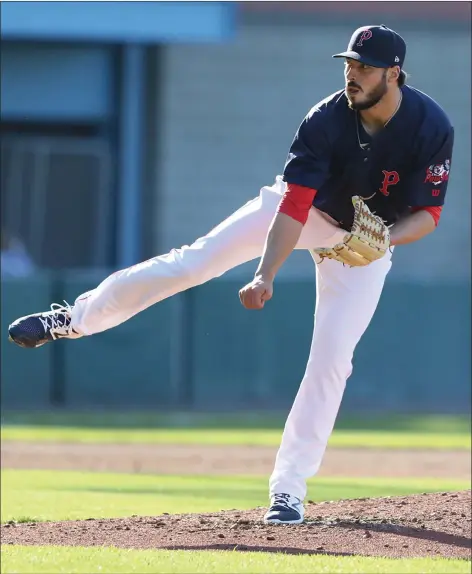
column 250, row 437
column 435, row 431
column 47, row 559
column 232, row 420
column 54, row 495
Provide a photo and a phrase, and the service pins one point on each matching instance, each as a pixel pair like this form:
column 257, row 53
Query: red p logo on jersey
column 366, row 35
column 390, row 178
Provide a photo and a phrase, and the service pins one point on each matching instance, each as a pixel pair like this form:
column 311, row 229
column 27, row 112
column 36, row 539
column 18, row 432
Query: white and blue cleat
column 284, row 509
column 36, row 330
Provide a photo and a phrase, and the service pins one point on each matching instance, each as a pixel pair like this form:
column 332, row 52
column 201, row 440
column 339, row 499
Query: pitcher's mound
column 436, row 524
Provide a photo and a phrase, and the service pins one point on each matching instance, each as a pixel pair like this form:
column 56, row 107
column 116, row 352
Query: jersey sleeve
column 427, row 186
column 307, row 162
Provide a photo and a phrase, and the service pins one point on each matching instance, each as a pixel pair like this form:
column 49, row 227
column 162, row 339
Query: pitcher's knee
column 190, row 265
column 334, row 363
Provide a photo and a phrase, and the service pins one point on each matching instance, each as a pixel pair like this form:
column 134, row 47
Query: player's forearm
column 412, row 228
column 282, row 238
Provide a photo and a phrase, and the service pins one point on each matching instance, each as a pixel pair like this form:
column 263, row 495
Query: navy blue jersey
column 404, row 165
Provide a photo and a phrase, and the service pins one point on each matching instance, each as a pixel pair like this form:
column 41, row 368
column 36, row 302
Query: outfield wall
column 202, row 350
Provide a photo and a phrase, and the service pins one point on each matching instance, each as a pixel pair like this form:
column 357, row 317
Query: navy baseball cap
column 376, row 46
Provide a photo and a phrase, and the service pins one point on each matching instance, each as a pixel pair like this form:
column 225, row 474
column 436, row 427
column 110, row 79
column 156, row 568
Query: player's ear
column 394, row 73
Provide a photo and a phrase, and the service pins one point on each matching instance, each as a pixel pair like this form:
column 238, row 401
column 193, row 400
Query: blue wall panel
column 119, row 21
column 128, row 366
column 415, row 356
column 55, row 82
column 250, row 359
column 203, row 347
column 416, row 352
column 26, row 374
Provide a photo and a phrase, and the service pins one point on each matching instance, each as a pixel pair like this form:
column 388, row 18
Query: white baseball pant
column 345, row 303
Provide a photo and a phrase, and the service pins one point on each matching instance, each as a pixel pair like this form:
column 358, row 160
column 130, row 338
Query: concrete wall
column 229, row 114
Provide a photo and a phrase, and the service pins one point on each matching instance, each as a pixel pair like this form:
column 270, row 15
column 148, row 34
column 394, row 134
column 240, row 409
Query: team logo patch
column 438, row 173
column 366, row 35
column 390, row 178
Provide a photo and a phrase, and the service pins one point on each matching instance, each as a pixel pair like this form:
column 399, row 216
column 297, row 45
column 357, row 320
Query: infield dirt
column 232, row 460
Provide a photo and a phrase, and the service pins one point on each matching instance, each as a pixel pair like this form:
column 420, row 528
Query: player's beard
column 372, row 98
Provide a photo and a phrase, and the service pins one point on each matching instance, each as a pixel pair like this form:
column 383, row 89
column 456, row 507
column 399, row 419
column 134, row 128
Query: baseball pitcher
column 367, row 170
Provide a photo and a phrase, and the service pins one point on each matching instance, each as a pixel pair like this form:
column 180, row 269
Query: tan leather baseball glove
column 367, row 241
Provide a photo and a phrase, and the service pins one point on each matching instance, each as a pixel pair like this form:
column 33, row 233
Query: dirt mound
column 436, row 524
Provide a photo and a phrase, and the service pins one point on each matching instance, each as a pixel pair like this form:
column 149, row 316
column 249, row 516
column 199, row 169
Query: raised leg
column 238, row 239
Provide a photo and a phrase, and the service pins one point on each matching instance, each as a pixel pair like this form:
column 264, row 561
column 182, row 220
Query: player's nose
column 350, row 75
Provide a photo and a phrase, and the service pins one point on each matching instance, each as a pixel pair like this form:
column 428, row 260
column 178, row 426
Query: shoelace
column 57, row 320
column 282, row 500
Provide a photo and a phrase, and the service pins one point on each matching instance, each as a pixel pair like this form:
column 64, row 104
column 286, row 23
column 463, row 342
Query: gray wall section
column 229, row 114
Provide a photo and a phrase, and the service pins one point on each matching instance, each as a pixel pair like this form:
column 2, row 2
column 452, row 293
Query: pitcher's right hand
column 257, row 292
